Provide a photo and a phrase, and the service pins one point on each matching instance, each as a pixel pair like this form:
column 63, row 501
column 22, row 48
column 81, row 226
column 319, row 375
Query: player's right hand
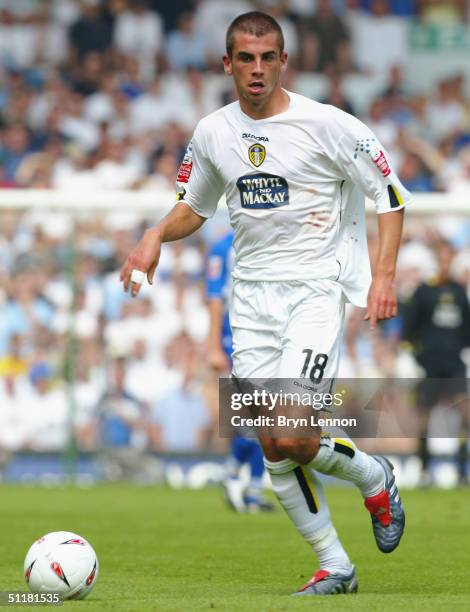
column 144, row 257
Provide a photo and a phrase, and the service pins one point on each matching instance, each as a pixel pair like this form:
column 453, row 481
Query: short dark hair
column 255, row 23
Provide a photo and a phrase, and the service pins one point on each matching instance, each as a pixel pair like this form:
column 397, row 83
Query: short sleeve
column 198, row 183
column 361, row 158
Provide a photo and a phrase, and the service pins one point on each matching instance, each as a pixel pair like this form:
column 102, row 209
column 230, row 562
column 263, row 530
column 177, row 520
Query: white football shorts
column 287, row 329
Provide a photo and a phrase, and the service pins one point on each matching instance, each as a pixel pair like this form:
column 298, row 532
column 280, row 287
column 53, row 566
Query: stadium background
column 103, row 96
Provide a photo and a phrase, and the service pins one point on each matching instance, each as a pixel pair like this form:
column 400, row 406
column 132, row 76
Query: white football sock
column 302, row 497
column 341, row 458
column 255, row 487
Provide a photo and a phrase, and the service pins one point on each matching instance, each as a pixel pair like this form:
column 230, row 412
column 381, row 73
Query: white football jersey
column 295, row 185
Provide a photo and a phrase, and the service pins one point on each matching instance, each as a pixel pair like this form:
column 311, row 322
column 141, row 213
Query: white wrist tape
column 137, row 276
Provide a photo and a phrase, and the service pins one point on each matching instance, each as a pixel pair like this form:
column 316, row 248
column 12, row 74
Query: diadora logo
column 257, row 154
column 253, row 137
column 258, row 191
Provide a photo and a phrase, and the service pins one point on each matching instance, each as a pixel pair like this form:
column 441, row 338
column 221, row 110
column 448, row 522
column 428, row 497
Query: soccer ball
column 61, row 562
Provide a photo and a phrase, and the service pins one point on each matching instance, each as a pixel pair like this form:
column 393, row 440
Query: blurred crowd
column 138, row 365
column 140, row 369
column 99, row 94
column 104, row 95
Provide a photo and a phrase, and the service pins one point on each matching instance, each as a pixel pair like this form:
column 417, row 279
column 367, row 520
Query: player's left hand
column 381, row 301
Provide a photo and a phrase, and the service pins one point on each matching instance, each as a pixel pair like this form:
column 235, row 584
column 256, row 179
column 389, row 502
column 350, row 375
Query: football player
column 294, row 173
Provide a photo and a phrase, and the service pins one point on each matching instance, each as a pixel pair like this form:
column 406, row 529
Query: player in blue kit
column 243, row 450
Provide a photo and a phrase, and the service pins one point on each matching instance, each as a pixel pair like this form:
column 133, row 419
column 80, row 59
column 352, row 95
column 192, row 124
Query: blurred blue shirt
column 187, row 51
column 117, row 411
column 219, row 281
column 181, row 414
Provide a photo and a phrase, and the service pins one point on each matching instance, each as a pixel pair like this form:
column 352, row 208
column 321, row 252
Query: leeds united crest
column 257, row 154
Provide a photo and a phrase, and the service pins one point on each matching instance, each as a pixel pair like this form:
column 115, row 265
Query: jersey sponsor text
column 263, row 191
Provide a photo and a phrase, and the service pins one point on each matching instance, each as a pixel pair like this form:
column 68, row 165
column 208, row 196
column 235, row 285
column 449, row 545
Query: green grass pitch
column 161, row 549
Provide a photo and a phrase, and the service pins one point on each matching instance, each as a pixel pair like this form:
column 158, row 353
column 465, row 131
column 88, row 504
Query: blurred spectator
column 279, row 10
column 89, row 384
column 16, row 146
column 13, row 421
column 446, row 112
column 26, row 307
column 138, row 32
column 46, row 409
column 325, row 41
column 86, row 77
column 378, row 39
column 90, row 32
column 19, row 31
column 130, row 81
column 148, row 377
column 120, row 431
column 54, row 43
column 99, row 105
column 458, row 179
column 152, row 110
column 382, row 124
column 35, row 171
column 398, row 100
column 414, row 175
column 119, row 412
column 336, row 96
column 115, row 170
column 188, row 101
column 164, row 169
column 396, row 87
column 182, row 422
column 73, row 171
column 13, row 363
column 73, row 124
column 186, row 46
column 170, row 12
column 44, row 107
column 212, row 19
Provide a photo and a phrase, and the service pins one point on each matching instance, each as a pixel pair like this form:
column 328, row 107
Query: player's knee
column 300, row 450
column 270, row 449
